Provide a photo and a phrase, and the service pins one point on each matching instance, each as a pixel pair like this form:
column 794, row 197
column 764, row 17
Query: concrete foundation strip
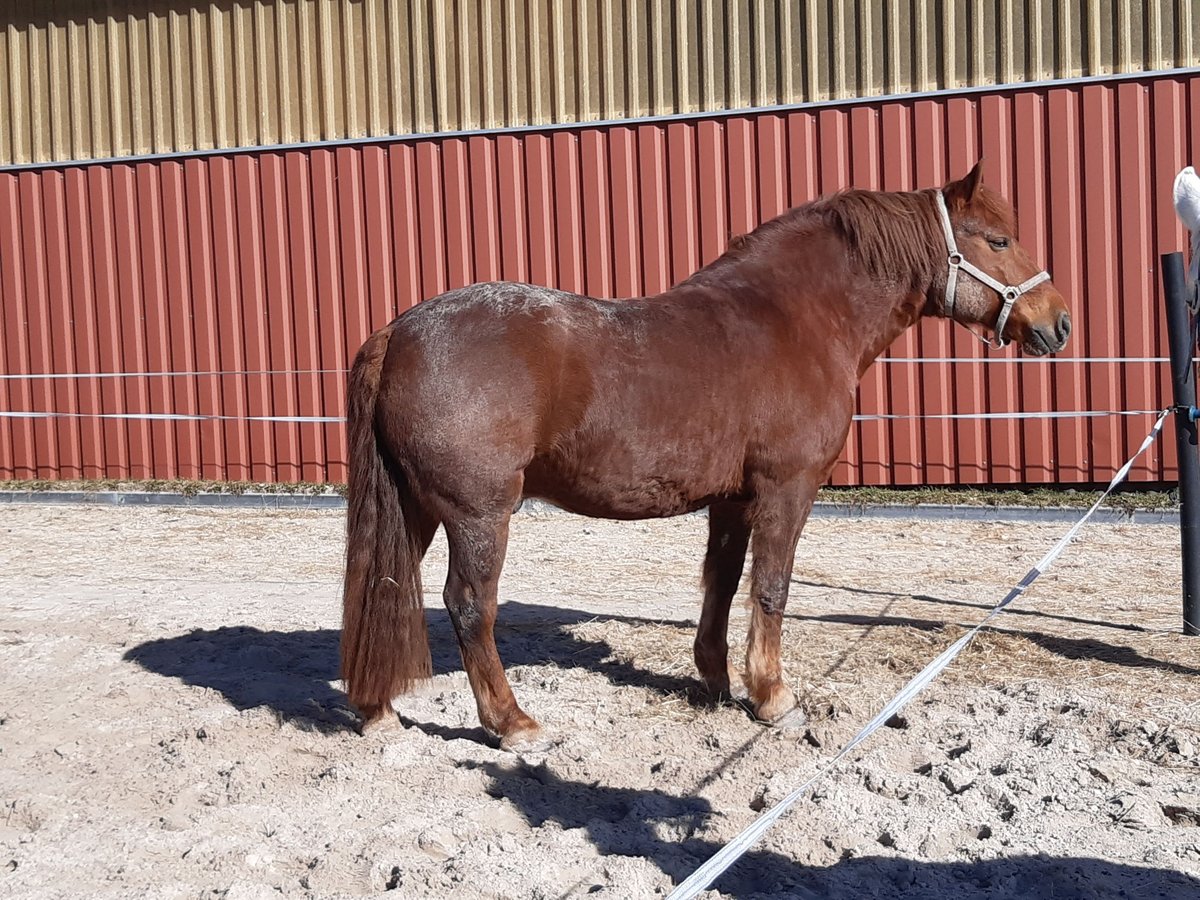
column 712, row 869
column 287, row 500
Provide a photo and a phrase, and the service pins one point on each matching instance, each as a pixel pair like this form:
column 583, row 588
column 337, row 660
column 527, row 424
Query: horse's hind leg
column 728, row 536
column 477, row 548
column 423, row 525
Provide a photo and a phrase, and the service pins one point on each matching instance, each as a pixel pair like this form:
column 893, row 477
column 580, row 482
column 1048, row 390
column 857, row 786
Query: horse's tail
column 385, row 644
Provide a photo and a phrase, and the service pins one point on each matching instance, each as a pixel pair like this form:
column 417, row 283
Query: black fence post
column 1183, row 382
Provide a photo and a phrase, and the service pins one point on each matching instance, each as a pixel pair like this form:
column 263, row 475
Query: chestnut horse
column 733, row 390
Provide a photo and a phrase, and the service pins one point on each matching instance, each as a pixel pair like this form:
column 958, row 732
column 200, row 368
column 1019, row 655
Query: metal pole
column 1183, row 382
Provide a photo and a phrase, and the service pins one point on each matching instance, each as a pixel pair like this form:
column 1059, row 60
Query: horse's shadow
column 290, row 672
column 662, row 826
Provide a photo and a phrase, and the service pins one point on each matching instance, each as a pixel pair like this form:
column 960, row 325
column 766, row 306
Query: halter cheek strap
column 1008, row 293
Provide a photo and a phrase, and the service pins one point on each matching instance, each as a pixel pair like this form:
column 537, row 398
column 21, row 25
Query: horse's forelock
column 992, row 209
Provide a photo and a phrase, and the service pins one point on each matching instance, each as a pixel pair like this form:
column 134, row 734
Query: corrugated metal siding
column 89, row 80
column 274, row 261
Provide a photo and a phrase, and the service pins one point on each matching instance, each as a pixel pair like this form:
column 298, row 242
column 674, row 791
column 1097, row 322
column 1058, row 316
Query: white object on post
column 1187, row 207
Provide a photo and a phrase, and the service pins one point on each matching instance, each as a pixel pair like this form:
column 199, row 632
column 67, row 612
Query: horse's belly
column 613, row 492
column 634, row 502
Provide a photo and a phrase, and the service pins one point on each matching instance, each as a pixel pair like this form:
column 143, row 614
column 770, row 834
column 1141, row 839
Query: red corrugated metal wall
column 275, row 265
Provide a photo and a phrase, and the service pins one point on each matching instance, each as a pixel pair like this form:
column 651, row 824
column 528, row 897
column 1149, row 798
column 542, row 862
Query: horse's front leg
column 779, row 515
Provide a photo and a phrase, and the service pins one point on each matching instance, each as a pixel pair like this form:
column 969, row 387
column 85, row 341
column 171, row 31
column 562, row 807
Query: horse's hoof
column 527, row 740
column 792, row 720
column 382, row 722
column 530, row 748
column 729, row 687
column 778, row 706
column 737, row 688
column 716, row 689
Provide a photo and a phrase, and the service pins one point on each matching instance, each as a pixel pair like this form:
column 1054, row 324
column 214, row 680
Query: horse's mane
column 893, row 235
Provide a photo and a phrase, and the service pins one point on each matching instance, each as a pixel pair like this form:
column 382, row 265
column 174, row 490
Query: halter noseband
column 1009, row 293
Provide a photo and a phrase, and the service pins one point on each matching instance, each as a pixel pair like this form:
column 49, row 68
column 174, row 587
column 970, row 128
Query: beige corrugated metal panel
column 85, row 79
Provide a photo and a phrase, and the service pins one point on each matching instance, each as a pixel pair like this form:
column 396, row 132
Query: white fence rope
column 300, row 419
column 911, row 360
column 720, row 861
column 42, row 376
column 167, row 417
column 1040, row 360
column 1029, row 414
column 865, row 417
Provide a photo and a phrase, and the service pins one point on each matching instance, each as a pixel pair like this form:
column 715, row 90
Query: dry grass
column 1126, row 498
column 182, row 486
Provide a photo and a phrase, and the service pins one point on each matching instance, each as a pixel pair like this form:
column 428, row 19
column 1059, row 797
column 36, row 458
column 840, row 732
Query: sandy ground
column 170, row 725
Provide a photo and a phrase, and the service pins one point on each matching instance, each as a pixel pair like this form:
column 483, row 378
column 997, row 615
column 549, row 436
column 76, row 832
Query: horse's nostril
column 1064, row 326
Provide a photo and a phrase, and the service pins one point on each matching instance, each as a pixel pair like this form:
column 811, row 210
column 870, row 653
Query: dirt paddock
column 171, row 726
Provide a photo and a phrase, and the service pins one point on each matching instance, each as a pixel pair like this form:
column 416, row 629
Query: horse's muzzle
column 1046, row 339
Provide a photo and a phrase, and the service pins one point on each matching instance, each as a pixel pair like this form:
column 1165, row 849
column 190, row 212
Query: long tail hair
column 385, row 642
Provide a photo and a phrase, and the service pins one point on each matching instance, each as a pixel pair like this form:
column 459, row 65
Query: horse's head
column 992, row 280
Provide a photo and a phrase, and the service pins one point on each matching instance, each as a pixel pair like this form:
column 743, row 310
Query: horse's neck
column 864, row 319
column 894, row 316
column 871, row 315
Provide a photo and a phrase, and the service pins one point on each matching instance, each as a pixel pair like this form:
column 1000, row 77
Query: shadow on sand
column 290, row 672
column 657, row 825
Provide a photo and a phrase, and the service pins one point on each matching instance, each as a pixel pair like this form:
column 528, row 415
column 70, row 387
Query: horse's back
column 492, row 370
column 492, row 340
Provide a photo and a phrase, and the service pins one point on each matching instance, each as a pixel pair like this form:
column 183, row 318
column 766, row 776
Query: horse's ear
column 964, row 190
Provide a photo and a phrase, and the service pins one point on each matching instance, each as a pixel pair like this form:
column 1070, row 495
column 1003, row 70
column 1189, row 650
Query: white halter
column 1007, row 292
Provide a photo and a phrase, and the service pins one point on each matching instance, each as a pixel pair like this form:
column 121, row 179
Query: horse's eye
column 998, row 243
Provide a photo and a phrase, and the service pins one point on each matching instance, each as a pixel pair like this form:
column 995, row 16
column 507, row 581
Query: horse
column 733, row 391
